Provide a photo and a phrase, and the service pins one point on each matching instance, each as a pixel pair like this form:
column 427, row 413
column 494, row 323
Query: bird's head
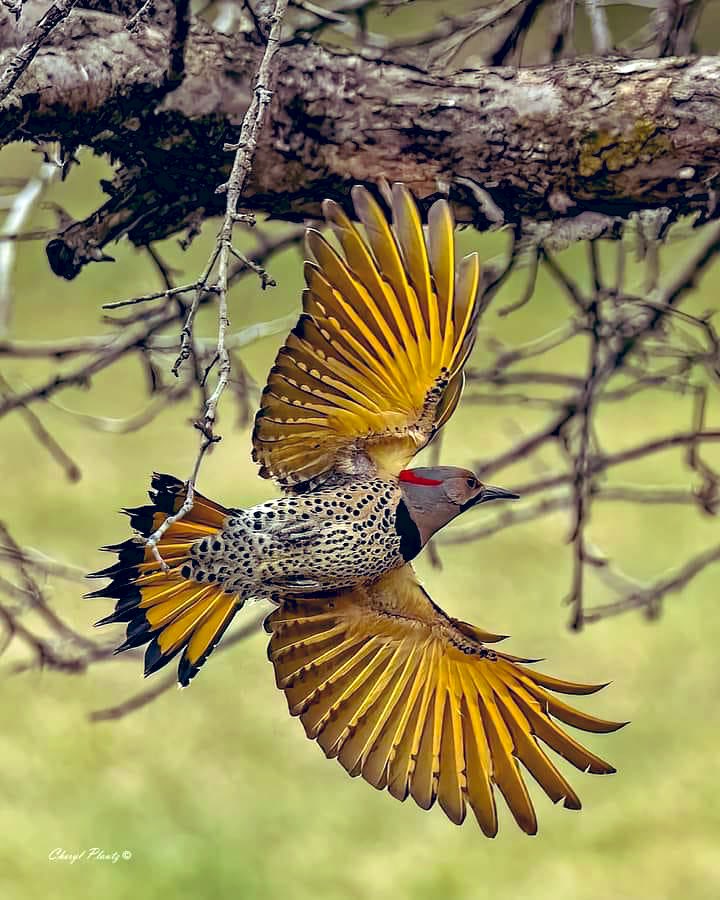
column 435, row 495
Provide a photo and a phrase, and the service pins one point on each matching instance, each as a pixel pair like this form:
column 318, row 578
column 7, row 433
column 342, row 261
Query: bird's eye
column 472, row 482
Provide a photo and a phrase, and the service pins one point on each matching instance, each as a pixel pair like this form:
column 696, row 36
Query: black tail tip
column 154, row 658
column 166, row 491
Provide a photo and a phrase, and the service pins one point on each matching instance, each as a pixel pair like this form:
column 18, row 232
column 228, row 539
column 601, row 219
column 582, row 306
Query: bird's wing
column 374, row 366
column 415, row 702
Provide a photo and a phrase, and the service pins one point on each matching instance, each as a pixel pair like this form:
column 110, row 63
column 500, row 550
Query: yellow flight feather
column 387, row 319
column 441, row 248
column 418, row 705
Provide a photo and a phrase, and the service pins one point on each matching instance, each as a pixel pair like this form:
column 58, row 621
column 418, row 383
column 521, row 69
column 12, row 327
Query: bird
column 414, row 700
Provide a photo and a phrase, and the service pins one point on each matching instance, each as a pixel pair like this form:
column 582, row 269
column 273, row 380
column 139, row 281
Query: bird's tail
column 164, row 606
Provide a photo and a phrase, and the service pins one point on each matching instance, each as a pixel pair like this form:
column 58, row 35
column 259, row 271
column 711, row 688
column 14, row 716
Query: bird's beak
column 490, row 492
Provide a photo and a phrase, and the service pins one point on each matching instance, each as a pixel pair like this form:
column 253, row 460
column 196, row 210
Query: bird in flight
column 414, row 700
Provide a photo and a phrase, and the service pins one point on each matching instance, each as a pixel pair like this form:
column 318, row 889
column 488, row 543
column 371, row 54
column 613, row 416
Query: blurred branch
column 52, row 642
column 40, row 562
column 625, row 337
column 602, row 42
column 20, row 208
column 649, row 598
column 42, row 435
column 162, row 685
column 580, row 460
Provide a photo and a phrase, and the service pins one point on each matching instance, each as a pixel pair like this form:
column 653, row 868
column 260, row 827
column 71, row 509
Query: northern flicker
column 398, row 691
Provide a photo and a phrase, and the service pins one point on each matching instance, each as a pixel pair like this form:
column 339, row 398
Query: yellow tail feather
column 165, row 608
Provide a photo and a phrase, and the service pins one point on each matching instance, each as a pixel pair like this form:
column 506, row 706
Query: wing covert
column 374, row 366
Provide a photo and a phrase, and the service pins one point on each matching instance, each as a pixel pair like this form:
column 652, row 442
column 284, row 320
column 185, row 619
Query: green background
column 214, row 790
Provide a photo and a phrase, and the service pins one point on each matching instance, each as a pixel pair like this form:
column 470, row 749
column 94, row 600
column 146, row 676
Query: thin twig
column 57, row 13
column 156, row 295
column 242, row 164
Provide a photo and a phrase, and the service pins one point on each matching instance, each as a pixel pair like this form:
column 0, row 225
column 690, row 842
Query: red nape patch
column 409, row 476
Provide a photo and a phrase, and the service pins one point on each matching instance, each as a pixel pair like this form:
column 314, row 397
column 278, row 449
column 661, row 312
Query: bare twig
column 156, row 295
column 15, row 68
column 242, row 164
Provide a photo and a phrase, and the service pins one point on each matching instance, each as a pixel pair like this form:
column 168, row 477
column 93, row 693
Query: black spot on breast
column 410, row 543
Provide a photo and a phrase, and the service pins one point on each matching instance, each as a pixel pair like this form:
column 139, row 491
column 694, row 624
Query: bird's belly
column 317, row 542
column 330, row 558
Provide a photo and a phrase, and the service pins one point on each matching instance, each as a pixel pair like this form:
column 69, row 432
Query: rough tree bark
column 606, row 135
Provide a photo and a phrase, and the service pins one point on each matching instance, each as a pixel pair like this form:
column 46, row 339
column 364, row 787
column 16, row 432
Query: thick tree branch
column 603, row 135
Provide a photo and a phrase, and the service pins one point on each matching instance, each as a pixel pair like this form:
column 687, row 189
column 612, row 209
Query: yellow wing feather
column 441, row 247
column 415, row 702
column 374, row 366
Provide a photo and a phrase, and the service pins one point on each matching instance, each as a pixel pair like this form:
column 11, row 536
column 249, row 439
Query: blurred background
column 214, row 790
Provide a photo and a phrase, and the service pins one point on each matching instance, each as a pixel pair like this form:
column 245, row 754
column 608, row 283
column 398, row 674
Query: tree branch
column 606, row 135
